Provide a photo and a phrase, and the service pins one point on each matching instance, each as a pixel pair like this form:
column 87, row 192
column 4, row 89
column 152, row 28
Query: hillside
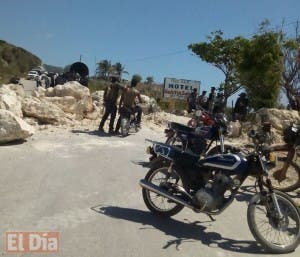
column 15, row 61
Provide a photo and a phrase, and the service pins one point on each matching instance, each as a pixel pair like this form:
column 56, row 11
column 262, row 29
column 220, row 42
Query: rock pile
column 70, row 103
column 63, row 104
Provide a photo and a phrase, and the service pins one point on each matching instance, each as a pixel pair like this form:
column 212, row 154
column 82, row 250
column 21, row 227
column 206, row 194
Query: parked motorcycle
column 209, row 185
column 198, row 141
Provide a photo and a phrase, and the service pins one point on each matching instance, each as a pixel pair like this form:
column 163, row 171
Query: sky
column 149, row 38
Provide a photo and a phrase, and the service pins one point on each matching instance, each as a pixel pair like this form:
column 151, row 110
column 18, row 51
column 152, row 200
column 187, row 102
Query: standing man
column 192, row 98
column 219, row 104
column 110, row 98
column 211, row 100
column 202, row 100
column 241, row 107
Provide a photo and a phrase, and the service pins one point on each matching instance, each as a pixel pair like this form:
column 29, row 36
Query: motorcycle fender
column 255, row 199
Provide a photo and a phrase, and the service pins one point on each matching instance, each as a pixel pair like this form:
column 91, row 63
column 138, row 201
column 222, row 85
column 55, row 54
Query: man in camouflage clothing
column 110, row 98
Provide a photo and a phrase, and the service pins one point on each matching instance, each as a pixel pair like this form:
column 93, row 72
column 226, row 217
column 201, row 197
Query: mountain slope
column 15, row 61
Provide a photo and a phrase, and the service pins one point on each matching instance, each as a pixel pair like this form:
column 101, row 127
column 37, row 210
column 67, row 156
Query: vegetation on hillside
column 15, row 61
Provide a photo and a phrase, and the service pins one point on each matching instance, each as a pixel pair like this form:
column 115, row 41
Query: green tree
column 149, row 80
column 137, row 78
column 260, row 69
column 224, row 54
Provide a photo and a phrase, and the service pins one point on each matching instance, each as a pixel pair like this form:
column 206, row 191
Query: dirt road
column 85, row 186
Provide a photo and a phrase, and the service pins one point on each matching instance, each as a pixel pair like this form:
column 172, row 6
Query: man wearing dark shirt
column 110, row 98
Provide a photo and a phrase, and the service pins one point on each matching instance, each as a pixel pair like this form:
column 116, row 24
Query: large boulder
column 72, row 88
column 149, row 104
column 50, row 92
column 9, row 100
column 13, row 128
column 18, row 89
column 45, row 111
column 97, row 97
column 66, row 103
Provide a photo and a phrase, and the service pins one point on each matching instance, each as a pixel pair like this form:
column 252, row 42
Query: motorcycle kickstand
column 211, row 217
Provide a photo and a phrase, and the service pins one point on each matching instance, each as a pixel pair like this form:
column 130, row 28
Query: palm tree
column 119, row 69
column 104, row 69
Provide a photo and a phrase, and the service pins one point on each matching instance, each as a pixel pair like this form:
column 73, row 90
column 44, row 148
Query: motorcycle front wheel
column 276, row 234
column 156, row 203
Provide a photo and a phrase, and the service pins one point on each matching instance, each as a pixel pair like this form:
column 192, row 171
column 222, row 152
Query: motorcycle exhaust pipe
column 153, row 188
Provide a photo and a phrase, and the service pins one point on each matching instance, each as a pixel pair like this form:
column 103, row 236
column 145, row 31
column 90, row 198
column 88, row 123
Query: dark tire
column 275, row 230
column 217, row 150
column 292, row 181
column 156, row 177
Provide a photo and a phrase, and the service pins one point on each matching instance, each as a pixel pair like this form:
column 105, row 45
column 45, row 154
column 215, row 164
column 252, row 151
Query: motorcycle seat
column 180, row 127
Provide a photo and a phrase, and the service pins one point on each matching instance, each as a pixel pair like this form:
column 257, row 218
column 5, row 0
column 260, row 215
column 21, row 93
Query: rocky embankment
column 72, row 105
column 67, row 106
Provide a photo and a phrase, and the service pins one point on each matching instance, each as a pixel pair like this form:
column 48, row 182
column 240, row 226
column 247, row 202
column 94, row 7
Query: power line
column 185, row 51
column 156, row 56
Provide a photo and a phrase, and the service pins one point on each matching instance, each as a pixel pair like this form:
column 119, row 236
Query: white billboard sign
column 179, row 88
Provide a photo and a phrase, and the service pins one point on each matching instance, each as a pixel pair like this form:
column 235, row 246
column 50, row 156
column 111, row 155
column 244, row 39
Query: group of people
column 127, row 104
column 216, row 103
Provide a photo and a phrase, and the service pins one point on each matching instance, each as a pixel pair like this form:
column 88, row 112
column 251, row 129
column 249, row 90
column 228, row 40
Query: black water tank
column 82, row 70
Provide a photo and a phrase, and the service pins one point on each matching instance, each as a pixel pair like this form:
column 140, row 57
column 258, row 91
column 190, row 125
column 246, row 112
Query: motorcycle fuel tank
column 233, row 163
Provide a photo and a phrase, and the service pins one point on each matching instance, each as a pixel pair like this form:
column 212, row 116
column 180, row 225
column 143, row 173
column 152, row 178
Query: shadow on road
column 245, row 193
column 92, row 133
column 16, row 142
column 142, row 163
column 182, row 231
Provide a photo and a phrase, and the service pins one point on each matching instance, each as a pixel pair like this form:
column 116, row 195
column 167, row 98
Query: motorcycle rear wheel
column 156, row 203
column 274, row 234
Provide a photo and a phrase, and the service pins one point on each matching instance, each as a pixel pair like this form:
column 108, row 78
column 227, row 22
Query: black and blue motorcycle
column 209, row 185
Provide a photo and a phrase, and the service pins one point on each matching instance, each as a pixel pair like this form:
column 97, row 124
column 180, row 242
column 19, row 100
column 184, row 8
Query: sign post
column 179, row 89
